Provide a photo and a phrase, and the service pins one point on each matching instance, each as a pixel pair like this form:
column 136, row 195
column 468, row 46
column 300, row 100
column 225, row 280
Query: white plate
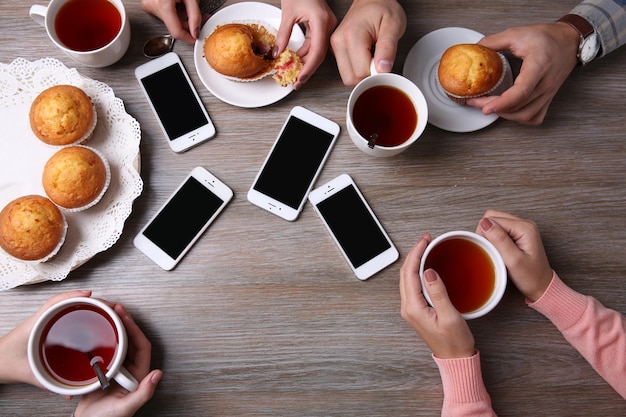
column 420, row 67
column 243, row 94
column 22, row 157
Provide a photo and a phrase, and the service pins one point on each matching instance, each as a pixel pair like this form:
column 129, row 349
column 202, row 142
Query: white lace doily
column 22, row 157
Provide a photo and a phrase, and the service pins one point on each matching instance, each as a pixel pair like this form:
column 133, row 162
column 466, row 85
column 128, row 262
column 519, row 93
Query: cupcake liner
column 463, row 99
column 104, row 189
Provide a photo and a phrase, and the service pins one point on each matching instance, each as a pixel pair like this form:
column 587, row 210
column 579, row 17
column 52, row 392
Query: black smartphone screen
column 353, row 226
column 295, row 159
column 183, row 217
column 174, row 101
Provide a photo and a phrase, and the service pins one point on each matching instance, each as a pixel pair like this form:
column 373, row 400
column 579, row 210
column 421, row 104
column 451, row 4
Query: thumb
column 145, row 391
column 438, row 293
column 384, row 56
column 283, row 36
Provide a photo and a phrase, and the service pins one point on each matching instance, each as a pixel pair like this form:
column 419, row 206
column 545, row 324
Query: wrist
column 568, row 39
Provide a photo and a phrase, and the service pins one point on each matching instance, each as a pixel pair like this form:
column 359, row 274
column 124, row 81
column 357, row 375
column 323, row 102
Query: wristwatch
column 589, row 45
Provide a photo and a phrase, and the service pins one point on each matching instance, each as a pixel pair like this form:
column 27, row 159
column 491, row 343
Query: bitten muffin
column 238, row 50
column 63, row 115
column 76, row 177
column 470, row 70
column 32, row 228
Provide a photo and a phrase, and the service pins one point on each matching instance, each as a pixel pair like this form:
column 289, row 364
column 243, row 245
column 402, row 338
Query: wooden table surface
column 264, row 318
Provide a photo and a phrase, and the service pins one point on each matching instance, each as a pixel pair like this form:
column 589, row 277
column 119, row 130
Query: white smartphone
column 186, row 214
column 294, row 163
column 353, row 226
column 175, row 102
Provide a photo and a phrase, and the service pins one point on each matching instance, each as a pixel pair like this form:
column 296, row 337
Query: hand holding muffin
column 549, row 55
column 244, row 52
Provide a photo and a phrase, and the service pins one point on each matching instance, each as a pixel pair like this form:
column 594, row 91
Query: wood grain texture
column 263, row 317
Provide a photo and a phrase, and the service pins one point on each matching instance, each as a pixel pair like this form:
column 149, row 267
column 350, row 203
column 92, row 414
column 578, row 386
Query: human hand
column 319, row 21
column 14, row 366
column 548, row 54
column 116, row 401
column 368, row 24
column 442, row 327
column 182, row 17
column 519, row 243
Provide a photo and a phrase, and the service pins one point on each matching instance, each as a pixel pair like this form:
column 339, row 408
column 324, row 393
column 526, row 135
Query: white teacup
column 101, row 54
column 477, row 260
column 411, row 130
column 72, row 335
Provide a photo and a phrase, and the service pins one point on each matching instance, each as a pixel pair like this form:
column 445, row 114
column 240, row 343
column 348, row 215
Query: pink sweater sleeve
column 464, row 392
column 597, row 332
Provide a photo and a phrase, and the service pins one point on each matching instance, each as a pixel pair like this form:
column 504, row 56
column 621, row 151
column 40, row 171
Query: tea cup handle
column 38, row 13
column 126, row 379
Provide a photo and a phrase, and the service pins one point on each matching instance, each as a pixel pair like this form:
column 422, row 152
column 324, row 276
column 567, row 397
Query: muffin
column 76, row 177
column 32, row 228
column 470, row 70
column 63, row 115
column 287, row 67
column 241, row 51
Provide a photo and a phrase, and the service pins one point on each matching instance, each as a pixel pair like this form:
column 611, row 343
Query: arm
column 369, row 24
column 597, row 332
column 319, row 21
column 548, row 54
column 447, row 335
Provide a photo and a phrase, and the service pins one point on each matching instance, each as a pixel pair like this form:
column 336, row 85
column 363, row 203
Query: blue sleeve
column 608, row 17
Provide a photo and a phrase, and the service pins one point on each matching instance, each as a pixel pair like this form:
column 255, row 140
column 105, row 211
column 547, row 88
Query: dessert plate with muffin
column 446, row 108
column 69, row 170
column 229, row 55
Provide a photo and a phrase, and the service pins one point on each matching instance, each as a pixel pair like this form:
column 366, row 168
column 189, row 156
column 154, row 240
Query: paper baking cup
column 104, row 189
column 463, row 99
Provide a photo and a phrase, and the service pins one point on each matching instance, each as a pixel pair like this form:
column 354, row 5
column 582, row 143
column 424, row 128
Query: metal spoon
column 160, row 45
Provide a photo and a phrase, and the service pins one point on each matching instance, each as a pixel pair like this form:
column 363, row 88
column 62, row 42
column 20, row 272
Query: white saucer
column 243, row 94
column 420, row 67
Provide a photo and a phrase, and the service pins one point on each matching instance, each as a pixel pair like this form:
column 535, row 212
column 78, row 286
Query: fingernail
column 385, row 65
column 197, row 33
column 486, row 223
column 430, row 275
column 275, row 51
column 156, row 377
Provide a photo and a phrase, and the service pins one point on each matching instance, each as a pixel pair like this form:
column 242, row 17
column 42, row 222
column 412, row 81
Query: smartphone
column 186, row 214
column 294, row 163
column 353, row 226
column 175, row 102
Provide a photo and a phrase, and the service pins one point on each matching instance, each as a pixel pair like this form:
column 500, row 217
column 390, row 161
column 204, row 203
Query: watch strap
column 582, row 26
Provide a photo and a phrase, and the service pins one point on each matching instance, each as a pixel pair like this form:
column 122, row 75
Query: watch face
column 589, row 48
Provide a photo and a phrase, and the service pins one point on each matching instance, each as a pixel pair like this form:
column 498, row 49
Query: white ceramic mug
column 113, row 370
column 409, row 89
column 499, row 270
column 101, row 57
